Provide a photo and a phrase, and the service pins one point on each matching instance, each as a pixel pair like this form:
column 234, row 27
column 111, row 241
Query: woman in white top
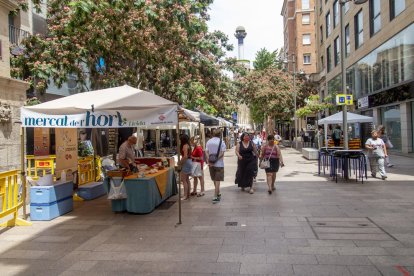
column 377, row 152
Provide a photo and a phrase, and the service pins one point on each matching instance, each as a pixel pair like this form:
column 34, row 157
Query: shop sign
column 90, row 119
column 363, row 102
column 344, row 99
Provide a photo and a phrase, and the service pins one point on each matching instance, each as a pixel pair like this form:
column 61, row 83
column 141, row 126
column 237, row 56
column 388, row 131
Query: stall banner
column 41, row 141
column 102, row 119
column 66, row 151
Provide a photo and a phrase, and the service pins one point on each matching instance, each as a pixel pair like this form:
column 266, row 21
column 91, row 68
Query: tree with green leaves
column 268, row 89
column 158, row 45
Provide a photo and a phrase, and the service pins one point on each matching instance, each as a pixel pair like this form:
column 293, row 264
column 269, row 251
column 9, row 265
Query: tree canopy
column 158, row 45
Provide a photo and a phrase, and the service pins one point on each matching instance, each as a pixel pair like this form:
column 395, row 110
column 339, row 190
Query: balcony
column 16, row 35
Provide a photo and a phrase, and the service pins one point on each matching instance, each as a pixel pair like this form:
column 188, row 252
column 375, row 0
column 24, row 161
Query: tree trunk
column 270, row 124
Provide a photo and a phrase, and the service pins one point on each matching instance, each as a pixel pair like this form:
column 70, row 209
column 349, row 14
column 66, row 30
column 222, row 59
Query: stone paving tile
column 374, row 237
column 321, row 270
column 23, row 254
column 163, row 256
column 343, row 260
column 364, row 270
column 331, row 243
column 266, row 269
column 326, row 250
column 392, row 260
column 83, row 265
column 391, row 270
column 384, row 244
column 291, row 259
column 362, row 251
column 401, row 251
column 241, row 258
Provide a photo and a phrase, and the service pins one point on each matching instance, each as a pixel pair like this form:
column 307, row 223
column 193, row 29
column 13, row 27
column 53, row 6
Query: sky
column 261, row 19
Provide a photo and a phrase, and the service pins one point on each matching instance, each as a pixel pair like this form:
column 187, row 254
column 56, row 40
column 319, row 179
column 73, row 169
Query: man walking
column 215, row 150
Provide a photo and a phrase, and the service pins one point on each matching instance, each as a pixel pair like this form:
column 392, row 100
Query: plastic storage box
column 51, row 210
column 91, row 190
column 47, row 194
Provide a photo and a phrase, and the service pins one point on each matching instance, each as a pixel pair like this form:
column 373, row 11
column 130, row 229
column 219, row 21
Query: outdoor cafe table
column 144, row 194
column 343, row 157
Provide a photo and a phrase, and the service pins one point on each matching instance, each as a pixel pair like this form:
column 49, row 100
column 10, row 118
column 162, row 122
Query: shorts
column 197, row 170
column 216, row 173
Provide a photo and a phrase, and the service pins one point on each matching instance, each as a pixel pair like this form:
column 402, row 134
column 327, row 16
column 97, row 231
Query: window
column 359, row 31
column 306, row 39
column 328, row 59
column 375, row 16
column 321, row 33
column 335, row 13
column 328, row 24
column 322, row 63
column 305, row 5
column 346, row 7
column 1, row 57
column 306, row 58
column 347, row 41
column 337, row 51
column 305, row 18
column 396, row 7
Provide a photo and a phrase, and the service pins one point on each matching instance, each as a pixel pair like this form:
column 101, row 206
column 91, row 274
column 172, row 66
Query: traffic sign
column 344, row 99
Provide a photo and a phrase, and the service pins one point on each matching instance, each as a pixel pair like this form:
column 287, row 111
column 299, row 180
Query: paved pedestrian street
column 309, row 226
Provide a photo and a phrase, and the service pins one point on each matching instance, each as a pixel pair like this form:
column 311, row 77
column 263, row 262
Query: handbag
column 265, row 164
column 213, row 158
column 117, row 191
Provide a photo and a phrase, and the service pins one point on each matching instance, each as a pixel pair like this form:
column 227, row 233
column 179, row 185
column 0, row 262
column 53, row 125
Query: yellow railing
column 10, row 200
column 40, row 164
column 86, row 170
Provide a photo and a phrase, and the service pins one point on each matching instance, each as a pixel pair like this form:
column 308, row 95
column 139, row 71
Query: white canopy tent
column 337, row 119
column 117, row 107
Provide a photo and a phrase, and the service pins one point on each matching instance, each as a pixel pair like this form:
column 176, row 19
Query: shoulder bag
column 213, row 158
column 265, row 164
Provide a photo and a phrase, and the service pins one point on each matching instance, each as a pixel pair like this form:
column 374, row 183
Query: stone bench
column 310, row 153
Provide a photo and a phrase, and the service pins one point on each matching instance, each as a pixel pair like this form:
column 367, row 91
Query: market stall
column 354, row 142
column 118, row 107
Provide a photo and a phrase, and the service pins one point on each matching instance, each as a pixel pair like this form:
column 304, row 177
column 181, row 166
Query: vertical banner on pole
column 41, row 141
column 66, row 151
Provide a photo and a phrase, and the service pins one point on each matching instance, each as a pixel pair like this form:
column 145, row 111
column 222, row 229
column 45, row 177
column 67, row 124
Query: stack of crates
column 49, row 202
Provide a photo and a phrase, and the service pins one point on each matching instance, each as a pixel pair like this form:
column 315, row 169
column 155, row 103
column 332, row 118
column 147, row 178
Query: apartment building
column 12, row 92
column 379, row 58
column 299, row 35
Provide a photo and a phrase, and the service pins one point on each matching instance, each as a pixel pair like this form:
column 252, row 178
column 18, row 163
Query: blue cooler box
column 91, row 190
column 51, row 210
column 47, row 194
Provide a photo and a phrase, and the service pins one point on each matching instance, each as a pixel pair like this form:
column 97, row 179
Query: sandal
column 185, row 198
column 193, row 193
column 200, row 194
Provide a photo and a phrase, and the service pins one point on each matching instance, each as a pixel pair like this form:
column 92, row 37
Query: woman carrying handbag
column 270, row 160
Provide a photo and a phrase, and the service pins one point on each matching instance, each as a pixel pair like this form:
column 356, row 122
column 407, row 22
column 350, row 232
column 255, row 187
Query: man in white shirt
column 216, row 147
column 126, row 154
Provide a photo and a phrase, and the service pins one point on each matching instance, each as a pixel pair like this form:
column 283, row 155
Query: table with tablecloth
column 144, row 194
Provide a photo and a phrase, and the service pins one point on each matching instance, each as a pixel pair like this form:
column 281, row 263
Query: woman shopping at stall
column 186, row 164
column 246, row 152
column 272, row 156
column 197, row 157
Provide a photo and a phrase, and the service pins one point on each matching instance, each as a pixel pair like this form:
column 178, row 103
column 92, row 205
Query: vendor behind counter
column 126, row 154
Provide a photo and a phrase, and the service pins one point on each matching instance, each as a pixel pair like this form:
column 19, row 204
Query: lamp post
column 293, row 61
column 343, row 69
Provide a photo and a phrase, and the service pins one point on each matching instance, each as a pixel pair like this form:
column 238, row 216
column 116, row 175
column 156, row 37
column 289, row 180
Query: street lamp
column 293, row 61
column 343, row 70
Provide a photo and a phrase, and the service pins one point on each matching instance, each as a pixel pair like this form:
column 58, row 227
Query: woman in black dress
column 246, row 152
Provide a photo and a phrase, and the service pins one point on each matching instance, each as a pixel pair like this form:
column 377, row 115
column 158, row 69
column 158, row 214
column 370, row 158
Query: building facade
column 299, row 34
column 12, row 92
column 379, row 58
